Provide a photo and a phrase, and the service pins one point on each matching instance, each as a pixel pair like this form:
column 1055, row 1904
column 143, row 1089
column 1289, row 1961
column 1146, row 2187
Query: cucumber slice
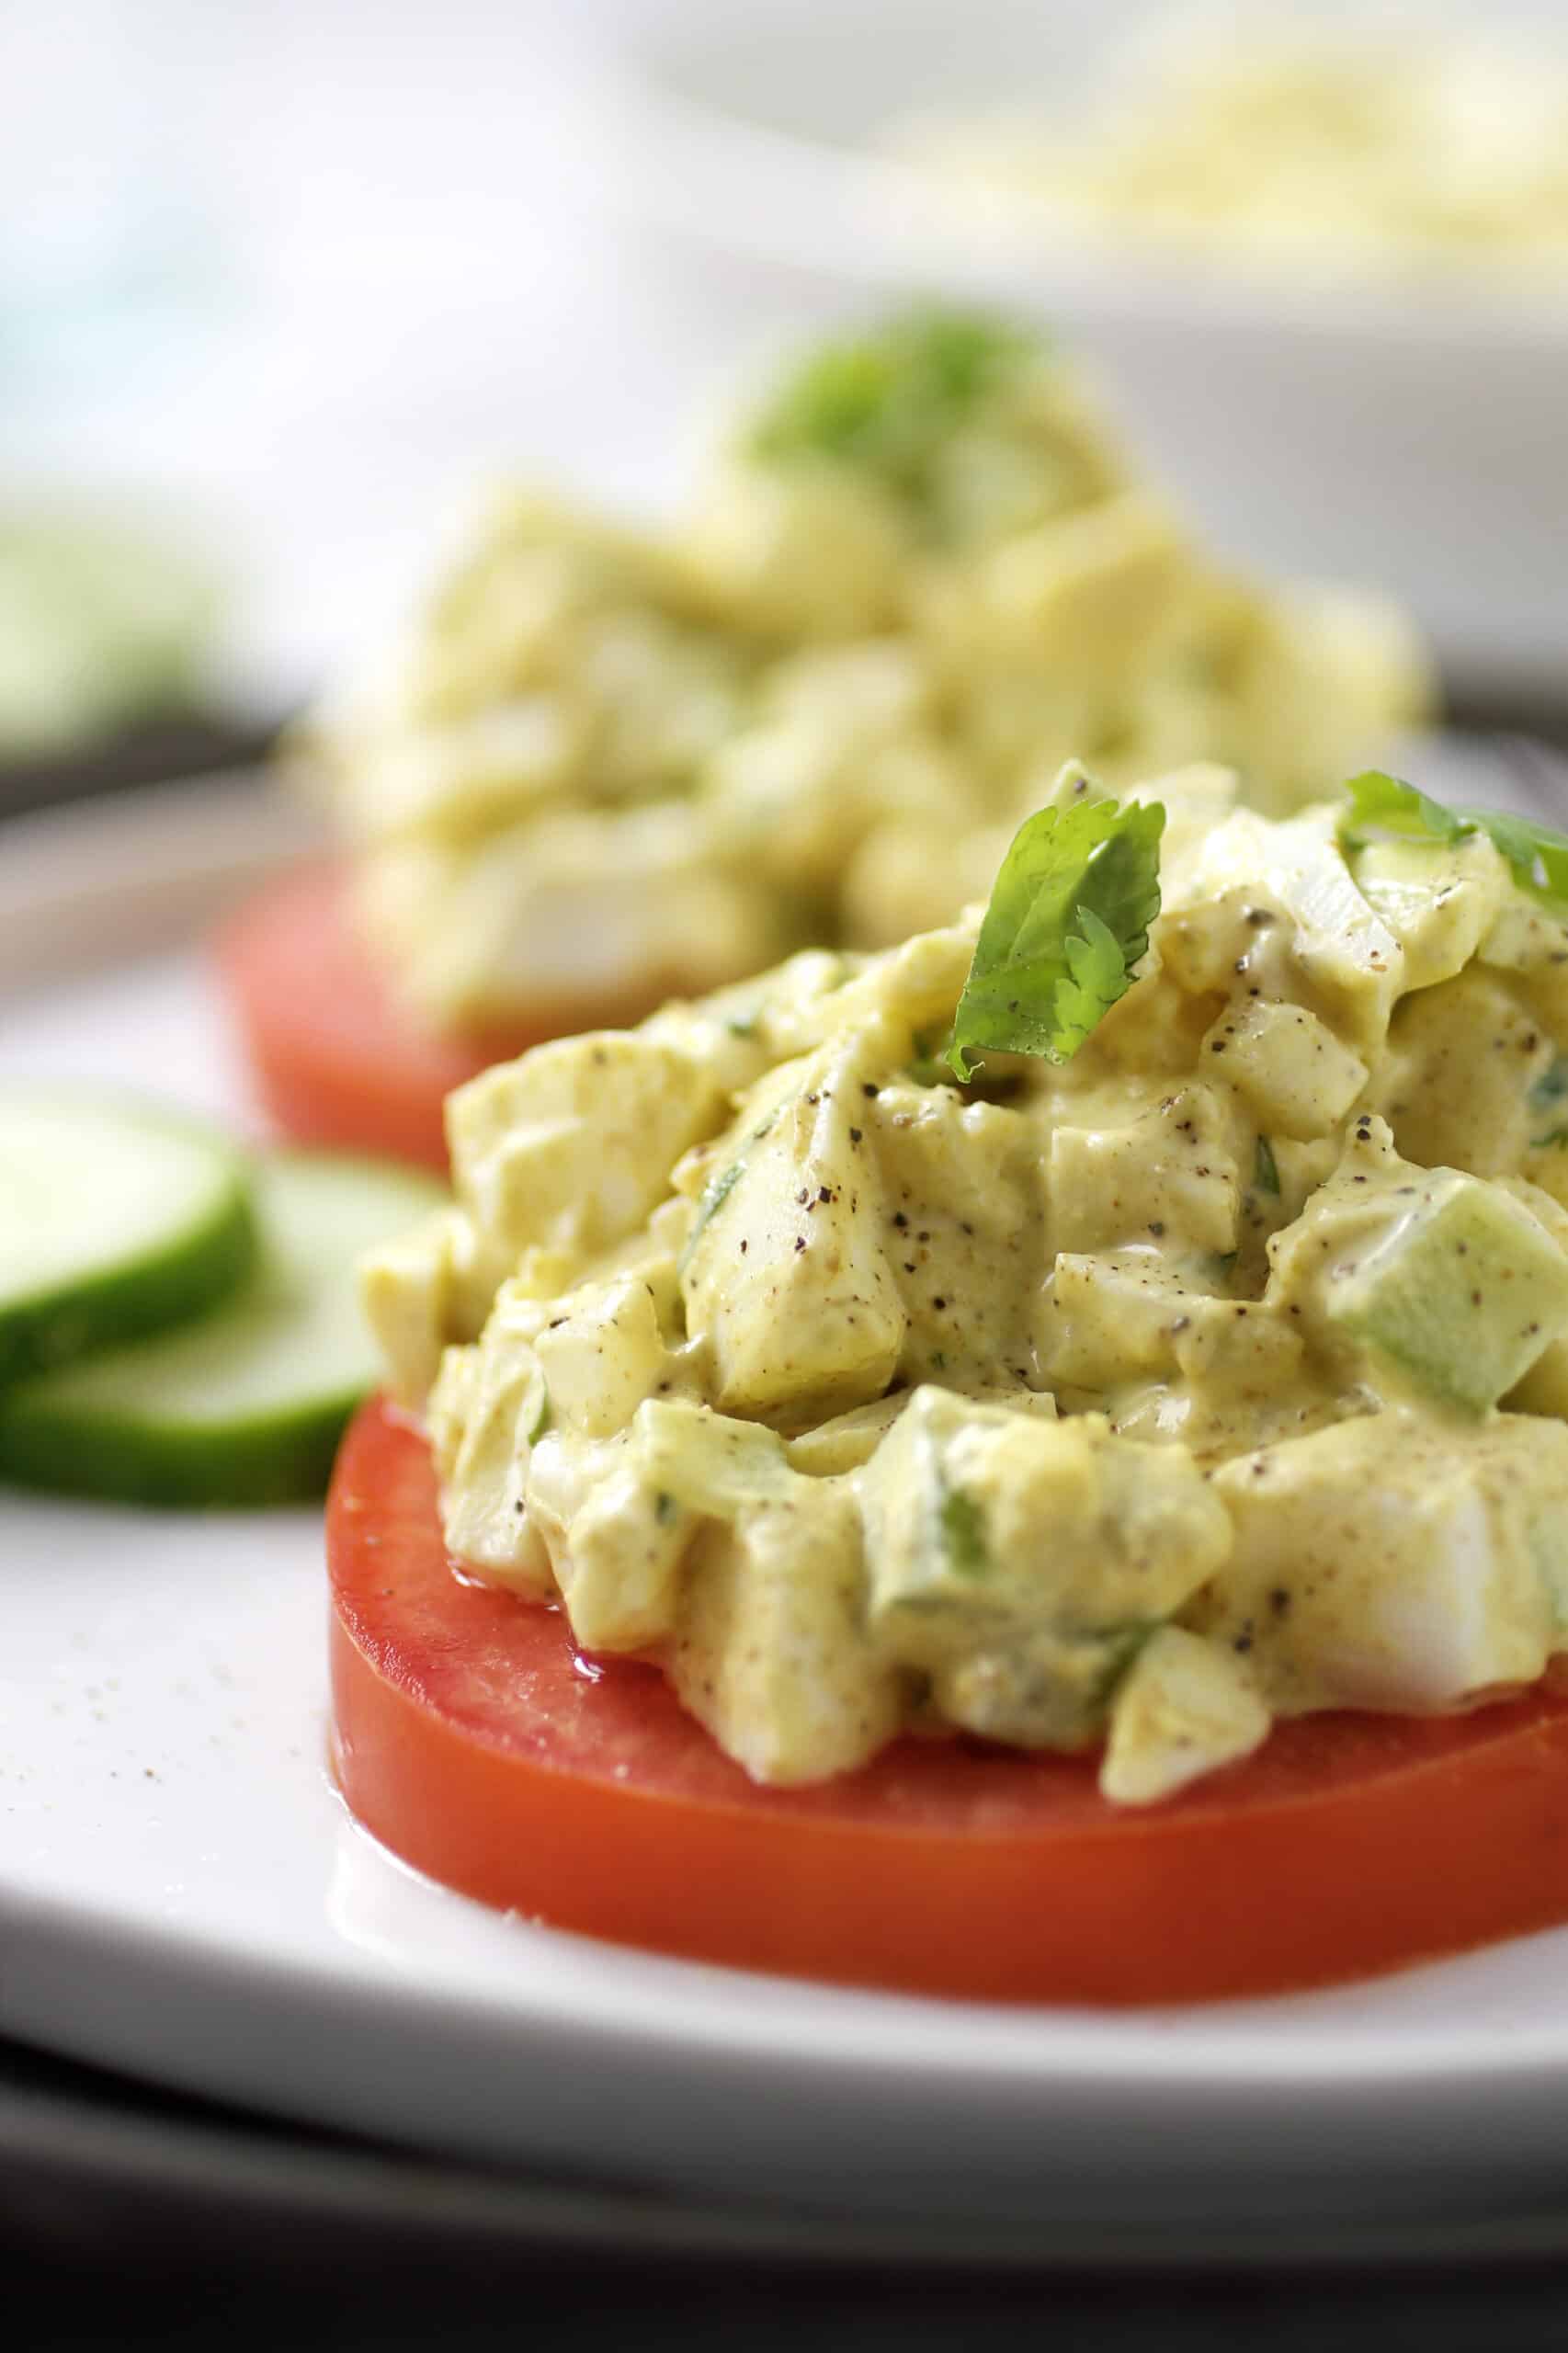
column 246, row 1405
column 116, row 1218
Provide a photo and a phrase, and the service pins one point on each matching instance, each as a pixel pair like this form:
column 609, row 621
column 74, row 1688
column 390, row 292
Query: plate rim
column 1408, row 2087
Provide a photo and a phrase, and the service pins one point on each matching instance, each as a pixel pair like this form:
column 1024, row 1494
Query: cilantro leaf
column 714, row 1194
column 886, row 400
column 1383, row 808
column 1538, row 856
column 1069, row 918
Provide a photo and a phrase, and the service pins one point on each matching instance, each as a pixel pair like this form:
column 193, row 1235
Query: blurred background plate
column 1407, row 430
column 281, row 295
column 276, row 297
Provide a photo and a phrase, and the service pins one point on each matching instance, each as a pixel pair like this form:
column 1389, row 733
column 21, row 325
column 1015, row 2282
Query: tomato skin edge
column 334, row 1059
column 1231, row 1896
column 335, row 1055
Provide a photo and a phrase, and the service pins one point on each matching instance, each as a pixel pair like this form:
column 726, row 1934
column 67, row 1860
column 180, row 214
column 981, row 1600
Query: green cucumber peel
column 244, row 1405
column 118, row 1218
column 963, row 1532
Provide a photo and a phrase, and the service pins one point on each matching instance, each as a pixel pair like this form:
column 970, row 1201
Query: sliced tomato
column 335, row 1060
column 473, row 1741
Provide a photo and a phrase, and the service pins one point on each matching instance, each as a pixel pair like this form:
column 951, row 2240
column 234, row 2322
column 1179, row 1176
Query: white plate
column 183, row 1895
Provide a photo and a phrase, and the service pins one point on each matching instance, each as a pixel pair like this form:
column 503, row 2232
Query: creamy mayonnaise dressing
column 1215, row 1375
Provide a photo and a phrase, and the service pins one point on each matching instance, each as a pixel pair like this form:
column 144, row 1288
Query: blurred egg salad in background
column 609, row 764
column 1419, row 146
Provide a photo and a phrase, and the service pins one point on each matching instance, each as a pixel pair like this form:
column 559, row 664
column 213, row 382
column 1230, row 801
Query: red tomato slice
column 335, row 1057
column 334, row 1060
column 476, row 1743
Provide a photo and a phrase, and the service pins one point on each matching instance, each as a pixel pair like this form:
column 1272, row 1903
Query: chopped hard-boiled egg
column 1195, row 1359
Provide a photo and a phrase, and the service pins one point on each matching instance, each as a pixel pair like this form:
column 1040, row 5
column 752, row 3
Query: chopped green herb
column 1068, row 920
column 963, row 1533
column 926, row 1066
column 1548, row 1096
column 543, row 1419
column 886, row 401
column 665, row 1509
column 1266, row 1172
column 1538, row 856
column 710, row 1203
column 1383, row 808
column 1121, row 1645
column 739, row 1028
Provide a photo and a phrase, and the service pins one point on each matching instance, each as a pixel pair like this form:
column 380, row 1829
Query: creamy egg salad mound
column 612, row 764
column 1131, row 1313
column 1313, row 147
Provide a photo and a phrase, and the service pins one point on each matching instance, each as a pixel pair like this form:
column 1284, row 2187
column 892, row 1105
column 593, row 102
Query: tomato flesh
column 472, row 1740
column 335, row 1060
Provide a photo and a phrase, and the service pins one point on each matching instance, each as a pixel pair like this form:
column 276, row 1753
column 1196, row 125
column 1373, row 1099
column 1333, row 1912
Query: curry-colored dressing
column 1136, row 1401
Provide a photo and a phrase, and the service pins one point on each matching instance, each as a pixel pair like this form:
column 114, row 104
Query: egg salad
column 1130, row 1315
column 1325, row 151
column 610, row 764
